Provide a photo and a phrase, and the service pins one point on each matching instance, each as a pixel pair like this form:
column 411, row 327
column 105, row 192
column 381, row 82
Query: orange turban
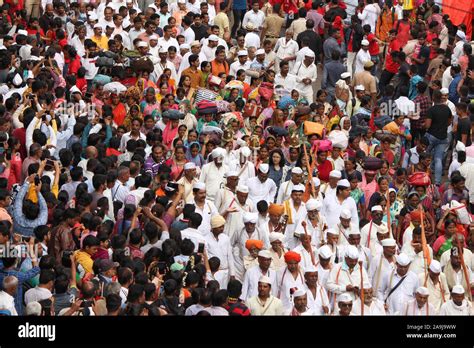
column 415, row 215
column 254, row 243
column 292, row 256
column 276, row 209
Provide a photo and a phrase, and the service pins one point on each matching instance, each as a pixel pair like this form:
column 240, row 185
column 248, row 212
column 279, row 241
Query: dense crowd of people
column 277, row 157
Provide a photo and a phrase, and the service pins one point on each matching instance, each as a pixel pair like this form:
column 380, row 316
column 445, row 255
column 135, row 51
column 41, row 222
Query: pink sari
column 169, row 134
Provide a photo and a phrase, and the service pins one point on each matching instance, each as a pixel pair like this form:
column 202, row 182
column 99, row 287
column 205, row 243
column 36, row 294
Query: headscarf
column 292, row 256
column 254, row 243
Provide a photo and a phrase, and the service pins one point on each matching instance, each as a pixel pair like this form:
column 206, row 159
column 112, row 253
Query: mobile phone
column 37, row 180
column 25, row 239
column 201, row 248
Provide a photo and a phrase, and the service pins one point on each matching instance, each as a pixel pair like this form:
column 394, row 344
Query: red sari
column 119, row 113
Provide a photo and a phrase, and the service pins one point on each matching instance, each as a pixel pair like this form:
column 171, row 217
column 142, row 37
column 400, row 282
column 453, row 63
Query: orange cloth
column 415, row 215
column 276, row 209
column 254, row 243
column 292, row 256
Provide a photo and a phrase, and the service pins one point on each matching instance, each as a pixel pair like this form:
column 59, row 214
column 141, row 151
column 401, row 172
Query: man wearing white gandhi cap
column 300, row 304
column 369, row 231
column 435, row 281
column 226, row 194
column 265, row 303
column 260, row 187
column 238, row 240
column 235, row 207
column 315, row 223
column 383, row 262
column 277, row 250
column 346, row 276
column 334, row 204
column 345, row 226
column 372, row 305
column 253, row 274
column 458, row 304
column 332, row 237
column 344, row 305
column 188, row 180
column 317, row 296
column 398, row 286
column 204, row 207
column 284, row 192
column 364, row 252
column 329, row 188
column 420, row 305
column 295, row 209
column 212, row 174
column 324, row 264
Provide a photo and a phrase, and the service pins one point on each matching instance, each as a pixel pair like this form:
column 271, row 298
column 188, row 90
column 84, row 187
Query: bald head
column 91, row 152
column 88, row 290
column 10, row 284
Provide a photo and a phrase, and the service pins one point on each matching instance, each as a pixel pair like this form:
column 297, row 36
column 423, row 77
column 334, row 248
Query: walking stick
column 464, row 268
column 310, row 247
column 361, row 289
column 388, row 213
column 426, row 252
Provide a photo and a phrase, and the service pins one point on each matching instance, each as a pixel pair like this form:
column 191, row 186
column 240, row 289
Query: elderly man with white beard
column 435, row 281
column 212, row 174
column 420, row 305
column 236, row 207
column 315, row 223
column 345, row 227
column 372, row 305
column 260, row 187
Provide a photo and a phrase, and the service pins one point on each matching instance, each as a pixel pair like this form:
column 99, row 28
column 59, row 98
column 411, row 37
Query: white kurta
column 418, row 264
column 340, row 276
column 316, row 304
column 316, row 232
column 332, row 210
column 195, row 236
column 404, row 293
column 224, row 198
column 272, row 306
column 207, row 212
column 411, row 308
column 439, row 292
column 222, row 249
column 285, row 49
column 450, row 308
column 296, row 216
column 301, row 71
column 261, row 191
column 284, row 192
column 376, row 307
column 344, row 233
column 238, row 248
column 368, row 233
column 188, row 188
column 250, row 284
column 246, row 171
column 378, row 267
column 285, row 283
column 213, row 177
column 306, row 261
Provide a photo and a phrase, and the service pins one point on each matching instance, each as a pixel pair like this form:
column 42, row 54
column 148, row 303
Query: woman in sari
column 324, row 165
column 444, row 242
column 134, row 112
column 386, row 21
column 150, row 105
column 177, row 162
column 193, row 154
column 118, row 109
column 171, row 129
column 185, row 83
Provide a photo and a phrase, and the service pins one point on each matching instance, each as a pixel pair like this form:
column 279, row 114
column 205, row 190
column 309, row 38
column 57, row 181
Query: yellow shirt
column 85, row 260
column 102, row 42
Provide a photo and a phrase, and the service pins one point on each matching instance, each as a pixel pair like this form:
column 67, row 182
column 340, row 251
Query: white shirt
column 189, row 35
column 236, row 66
column 368, row 233
column 306, row 260
column 37, row 294
column 405, row 105
column 369, row 16
column 417, row 259
column 450, row 308
column 412, row 308
column 376, row 307
column 252, row 40
column 222, row 249
column 162, row 42
column 332, row 210
column 284, row 192
column 195, row 236
column 316, row 304
column 378, row 267
column 467, row 171
column 289, row 82
column 259, row 191
column 213, row 177
column 361, row 58
column 120, row 191
column 252, row 276
column 403, row 293
column 272, row 306
column 207, row 212
column 340, row 277
column 126, row 137
column 301, row 71
column 457, row 52
column 7, row 302
column 285, row 49
column 256, row 18
column 285, row 283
